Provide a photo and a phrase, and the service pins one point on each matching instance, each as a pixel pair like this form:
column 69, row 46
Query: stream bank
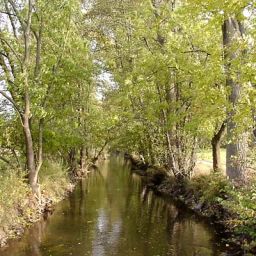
column 20, row 209
column 113, row 213
column 30, row 211
column 208, row 196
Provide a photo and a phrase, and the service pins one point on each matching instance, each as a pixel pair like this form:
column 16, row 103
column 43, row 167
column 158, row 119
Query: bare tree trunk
column 40, row 145
column 216, row 143
column 72, row 160
column 33, row 175
column 82, row 160
column 236, row 147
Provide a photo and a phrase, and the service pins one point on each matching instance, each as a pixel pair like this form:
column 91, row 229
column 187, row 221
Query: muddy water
column 112, row 213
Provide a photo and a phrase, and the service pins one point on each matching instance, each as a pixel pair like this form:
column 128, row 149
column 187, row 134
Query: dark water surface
column 111, row 213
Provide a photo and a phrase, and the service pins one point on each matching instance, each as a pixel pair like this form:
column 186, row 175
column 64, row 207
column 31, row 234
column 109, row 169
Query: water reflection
column 113, row 213
column 106, row 234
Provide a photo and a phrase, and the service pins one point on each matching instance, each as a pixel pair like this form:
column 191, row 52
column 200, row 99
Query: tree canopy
column 163, row 78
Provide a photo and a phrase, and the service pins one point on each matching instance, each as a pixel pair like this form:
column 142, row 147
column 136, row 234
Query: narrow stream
column 112, row 213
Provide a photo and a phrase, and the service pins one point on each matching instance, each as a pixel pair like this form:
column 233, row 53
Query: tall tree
column 38, row 57
column 233, row 33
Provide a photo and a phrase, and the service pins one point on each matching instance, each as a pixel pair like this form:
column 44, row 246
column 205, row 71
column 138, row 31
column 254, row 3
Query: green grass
column 15, row 207
column 54, row 180
column 206, row 155
column 18, row 207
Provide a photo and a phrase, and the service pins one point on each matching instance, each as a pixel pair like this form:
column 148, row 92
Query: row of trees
column 183, row 74
column 49, row 107
column 160, row 77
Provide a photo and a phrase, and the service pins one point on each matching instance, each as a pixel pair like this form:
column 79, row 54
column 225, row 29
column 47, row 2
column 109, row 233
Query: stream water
column 112, row 213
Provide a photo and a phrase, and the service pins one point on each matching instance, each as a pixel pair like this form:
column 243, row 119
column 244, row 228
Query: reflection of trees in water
column 145, row 216
column 189, row 237
column 113, row 183
column 101, row 195
column 185, row 235
column 107, row 235
column 159, row 209
column 82, row 202
column 117, row 187
column 132, row 216
column 36, row 236
column 114, row 213
column 30, row 245
column 77, row 200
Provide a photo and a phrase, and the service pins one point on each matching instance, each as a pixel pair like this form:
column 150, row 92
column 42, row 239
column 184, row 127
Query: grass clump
column 16, row 209
column 54, row 180
column 18, row 206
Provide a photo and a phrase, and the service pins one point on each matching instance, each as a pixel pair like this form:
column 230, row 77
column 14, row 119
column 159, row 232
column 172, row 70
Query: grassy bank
column 18, row 207
column 215, row 197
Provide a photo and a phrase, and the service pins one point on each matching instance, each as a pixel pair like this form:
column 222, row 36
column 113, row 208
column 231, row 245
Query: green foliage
column 158, row 61
column 212, row 188
column 52, row 170
column 54, row 180
column 238, row 203
column 18, row 206
column 242, row 204
column 148, row 77
column 14, row 200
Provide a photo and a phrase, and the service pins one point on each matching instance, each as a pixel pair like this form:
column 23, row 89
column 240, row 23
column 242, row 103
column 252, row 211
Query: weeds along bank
column 228, row 206
column 19, row 208
column 215, row 197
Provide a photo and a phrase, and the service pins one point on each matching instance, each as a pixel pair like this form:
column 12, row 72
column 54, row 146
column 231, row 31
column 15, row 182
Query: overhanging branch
column 12, row 102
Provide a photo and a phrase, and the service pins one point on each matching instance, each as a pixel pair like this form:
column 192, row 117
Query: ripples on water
column 112, row 213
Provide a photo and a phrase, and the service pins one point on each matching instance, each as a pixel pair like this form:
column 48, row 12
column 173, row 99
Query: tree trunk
column 151, row 151
column 72, row 160
column 94, row 160
column 216, row 143
column 82, row 160
column 40, row 145
column 33, row 175
column 236, row 147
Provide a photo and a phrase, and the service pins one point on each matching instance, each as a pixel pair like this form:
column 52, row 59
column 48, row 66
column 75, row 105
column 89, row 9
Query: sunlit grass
column 204, row 161
column 206, row 155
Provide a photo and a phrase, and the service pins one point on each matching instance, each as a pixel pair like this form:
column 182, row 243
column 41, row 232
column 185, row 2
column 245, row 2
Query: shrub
column 238, row 202
column 211, row 188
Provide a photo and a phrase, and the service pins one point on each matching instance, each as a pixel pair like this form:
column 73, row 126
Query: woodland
column 171, row 81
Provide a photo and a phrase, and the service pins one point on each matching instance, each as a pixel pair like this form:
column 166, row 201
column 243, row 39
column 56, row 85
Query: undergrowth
column 54, row 180
column 18, row 207
column 238, row 202
column 13, row 192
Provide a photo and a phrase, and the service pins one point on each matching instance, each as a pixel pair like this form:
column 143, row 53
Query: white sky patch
column 247, row 13
column 105, row 81
column 107, row 77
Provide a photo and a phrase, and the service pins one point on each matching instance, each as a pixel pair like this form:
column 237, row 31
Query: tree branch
column 11, row 15
column 12, row 102
column 196, row 51
column 6, row 161
column 12, row 49
column 22, row 23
